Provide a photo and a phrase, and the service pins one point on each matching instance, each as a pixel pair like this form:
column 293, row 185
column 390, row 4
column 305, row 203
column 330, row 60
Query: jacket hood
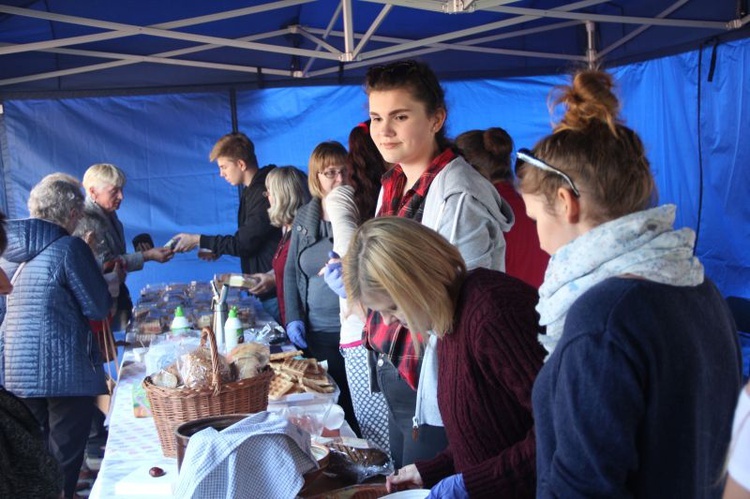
column 464, row 178
column 28, row 237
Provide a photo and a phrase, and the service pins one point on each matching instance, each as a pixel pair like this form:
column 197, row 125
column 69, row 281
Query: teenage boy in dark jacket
column 256, row 239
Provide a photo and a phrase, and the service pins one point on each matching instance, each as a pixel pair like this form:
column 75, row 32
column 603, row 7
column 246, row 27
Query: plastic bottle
column 233, row 332
column 179, row 323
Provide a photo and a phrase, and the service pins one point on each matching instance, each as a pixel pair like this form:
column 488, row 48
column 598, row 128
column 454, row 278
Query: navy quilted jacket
column 46, row 346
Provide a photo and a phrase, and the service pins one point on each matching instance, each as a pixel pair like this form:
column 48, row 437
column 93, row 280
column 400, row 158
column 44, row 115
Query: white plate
column 408, row 494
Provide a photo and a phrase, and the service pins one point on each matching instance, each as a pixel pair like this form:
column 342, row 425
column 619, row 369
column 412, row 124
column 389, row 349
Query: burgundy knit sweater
column 487, row 368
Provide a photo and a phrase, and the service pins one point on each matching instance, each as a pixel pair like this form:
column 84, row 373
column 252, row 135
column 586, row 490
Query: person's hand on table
column 160, row 255
column 452, row 487
column 295, row 330
column 266, row 283
column 185, row 242
column 407, row 477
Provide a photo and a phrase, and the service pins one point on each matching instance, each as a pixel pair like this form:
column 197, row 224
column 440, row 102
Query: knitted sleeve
column 509, row 356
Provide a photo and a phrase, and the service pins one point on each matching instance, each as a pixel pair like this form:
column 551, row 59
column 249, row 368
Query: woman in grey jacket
column 47, row 354
column 103, row 183
column 312, row 309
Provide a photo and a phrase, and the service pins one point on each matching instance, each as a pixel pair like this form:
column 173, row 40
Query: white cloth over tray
column 261, row 456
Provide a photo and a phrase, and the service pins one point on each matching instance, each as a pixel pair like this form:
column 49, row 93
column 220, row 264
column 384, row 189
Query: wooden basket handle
column 208, row 333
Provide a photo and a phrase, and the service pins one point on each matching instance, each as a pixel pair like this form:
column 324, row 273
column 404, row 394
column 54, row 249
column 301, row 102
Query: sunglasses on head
column 526, row 156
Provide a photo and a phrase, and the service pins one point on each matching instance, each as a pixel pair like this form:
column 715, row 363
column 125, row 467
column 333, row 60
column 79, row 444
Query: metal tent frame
column 324, row 51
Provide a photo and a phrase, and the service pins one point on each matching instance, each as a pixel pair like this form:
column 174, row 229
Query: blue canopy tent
column 150, row 86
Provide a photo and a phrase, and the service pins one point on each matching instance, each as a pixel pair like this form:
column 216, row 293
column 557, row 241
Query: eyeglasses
column 526, row 156
column 331, row 174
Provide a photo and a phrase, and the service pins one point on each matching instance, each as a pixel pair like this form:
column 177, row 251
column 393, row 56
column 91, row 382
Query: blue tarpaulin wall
column 691, row 119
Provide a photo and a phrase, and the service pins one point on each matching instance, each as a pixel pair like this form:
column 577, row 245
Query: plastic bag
column 167, row 347
column 271, row 333
column 196, row 368
column 355, row 460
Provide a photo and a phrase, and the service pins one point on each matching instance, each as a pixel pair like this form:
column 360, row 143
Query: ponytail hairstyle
column 419, row 80
column 488, row 151
column 366, row 167
column 605, row 159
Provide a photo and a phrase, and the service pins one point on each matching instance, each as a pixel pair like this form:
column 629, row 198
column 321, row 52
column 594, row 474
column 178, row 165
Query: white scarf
column 642, row 244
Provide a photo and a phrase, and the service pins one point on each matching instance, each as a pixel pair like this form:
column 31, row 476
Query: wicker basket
column 174, row 406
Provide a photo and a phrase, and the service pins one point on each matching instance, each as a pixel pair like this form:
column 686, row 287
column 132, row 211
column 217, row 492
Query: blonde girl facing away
column 738, row 464
column 286, row 190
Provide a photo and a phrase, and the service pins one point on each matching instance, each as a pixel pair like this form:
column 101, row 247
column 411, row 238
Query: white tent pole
column 182, row 23
column 604, row 18
column 161, row 33
column 371, row 30
column 125, row 59
column 641, row 29
column 467, row 46
column 462, row 46
column 561, row 14
column 301, row 30
column 325, row 34
column 590, row 45
column 469, row 43
column 346, row 17
column 469, row 31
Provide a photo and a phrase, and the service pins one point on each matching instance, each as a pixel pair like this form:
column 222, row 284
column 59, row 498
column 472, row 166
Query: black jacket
column 256, row 239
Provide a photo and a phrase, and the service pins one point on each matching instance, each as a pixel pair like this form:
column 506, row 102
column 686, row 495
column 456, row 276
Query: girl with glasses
column 637, row 393
column 431, row 184
column 312, row 308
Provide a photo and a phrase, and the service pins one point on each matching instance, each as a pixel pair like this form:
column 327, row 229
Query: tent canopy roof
column 88, row 45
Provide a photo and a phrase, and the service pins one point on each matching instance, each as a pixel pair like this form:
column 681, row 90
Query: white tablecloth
column 132, row 447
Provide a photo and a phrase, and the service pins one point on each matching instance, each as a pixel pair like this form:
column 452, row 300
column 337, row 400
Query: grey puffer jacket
column 46, row 345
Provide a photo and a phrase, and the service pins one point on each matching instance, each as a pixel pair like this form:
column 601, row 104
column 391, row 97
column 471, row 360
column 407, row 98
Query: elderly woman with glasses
column 637, row 394
column 48, row 355
column 312, row 308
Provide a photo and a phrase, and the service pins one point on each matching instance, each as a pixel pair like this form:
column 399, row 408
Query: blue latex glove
column 296, row 332
column 452, row 487
column 334, row 276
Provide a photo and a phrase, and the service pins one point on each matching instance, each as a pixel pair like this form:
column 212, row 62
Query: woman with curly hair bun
column 489, row 152
column 637, row 394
